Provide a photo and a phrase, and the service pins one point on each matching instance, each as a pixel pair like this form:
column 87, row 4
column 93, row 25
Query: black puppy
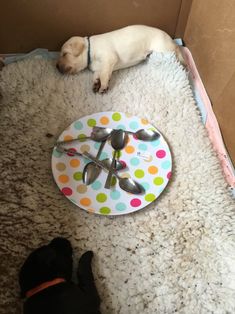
column 45, row 281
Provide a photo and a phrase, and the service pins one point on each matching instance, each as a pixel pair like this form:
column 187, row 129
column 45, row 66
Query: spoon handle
column 109, row 177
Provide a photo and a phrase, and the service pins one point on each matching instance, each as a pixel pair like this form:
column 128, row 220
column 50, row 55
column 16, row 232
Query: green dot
column 81, row 136
column 158, row 181
column 150, row 197
column 139, row 173
column 77, row 176
column 116, row 116
column 91, row 122
column 105, row 210
column 101, row 197
column 113, row 181
column 118, row 154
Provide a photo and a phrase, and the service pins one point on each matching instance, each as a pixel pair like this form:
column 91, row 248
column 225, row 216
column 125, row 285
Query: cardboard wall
column 210, row 35
column 26, row 25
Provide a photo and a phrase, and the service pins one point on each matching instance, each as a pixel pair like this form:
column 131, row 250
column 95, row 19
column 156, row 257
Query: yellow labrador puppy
column 112, row 51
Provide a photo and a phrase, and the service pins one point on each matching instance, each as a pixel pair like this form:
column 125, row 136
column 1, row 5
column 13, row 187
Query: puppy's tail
column 179, row 55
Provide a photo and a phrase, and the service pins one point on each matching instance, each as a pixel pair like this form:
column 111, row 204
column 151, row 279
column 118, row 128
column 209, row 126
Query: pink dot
column 160, row 153
column 123, row 163
column 135, row 202
column 135, row 137
column 169, row 175
column 71, row 150
column 67, row 191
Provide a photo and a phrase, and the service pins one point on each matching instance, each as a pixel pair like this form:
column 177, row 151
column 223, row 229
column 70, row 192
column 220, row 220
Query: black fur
column 56, row 261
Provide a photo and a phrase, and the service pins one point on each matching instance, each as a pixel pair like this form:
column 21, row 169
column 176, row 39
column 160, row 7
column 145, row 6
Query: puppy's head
column 72, row 56
column 46, row 263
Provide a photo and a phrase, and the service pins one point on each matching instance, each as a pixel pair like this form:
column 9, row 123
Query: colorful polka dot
column 104, row 155
column 68, row 138
column 91, row 210
column 139, row 173
column 71, row 150
column 152, row 170
column 160, row 153
column 105, row 210
column 56, row 153
column 150, row 197
column 125, row 175
column 118, row 154
column 142, row 146
column 96, row 185
column 169, row 175
column 104, row 120
column 101, row 197
column 67, row 191
column 134, row 125
column 146, row 186
column 91, row 122
column 144, row 121
column 78, row 125
column 129, row 149
column 81, row 137
column 158, row 181
column 155, row 143
column 63, row 178
column 166, row 164
column 124, row 165
column 113, row 181
column 121, row 127
column 60, row 166
column 85, row 148
column 74, row 163
column 134, row 161
column 116, row 116
column 135, row 202
column 77, row 176
column 115, row 195
column 85, row 201
column 120, row 207
column 82, row 188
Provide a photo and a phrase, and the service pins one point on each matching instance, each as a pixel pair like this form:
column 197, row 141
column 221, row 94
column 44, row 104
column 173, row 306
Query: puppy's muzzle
column 63, row 68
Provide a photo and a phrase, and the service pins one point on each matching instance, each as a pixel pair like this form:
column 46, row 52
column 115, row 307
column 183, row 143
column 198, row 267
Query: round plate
column 149, row 163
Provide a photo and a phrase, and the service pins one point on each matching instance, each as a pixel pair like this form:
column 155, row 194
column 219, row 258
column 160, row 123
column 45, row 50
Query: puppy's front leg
column 101, row 78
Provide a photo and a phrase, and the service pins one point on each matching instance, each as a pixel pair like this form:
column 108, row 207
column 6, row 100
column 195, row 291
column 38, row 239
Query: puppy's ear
column 77, row 46
column 62, row 246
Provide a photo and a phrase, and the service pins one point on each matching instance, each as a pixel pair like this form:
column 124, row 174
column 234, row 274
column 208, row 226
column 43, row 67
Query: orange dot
column 129, row 149
column 63, row 178
column 152, row 170
column 144, row 121
column 68, row 137
column 91, row 210
column 74, row 163
column 85, row 201
column 104, row 120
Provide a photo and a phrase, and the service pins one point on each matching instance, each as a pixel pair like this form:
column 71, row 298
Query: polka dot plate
column 149, row 163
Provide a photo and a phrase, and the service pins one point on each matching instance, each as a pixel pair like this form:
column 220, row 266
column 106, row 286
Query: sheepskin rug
column 177, row 255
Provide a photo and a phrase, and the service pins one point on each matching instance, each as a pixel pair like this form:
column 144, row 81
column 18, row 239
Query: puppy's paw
column 96, row 86
column 103, row 90
column 62, row 245
column 86, row 258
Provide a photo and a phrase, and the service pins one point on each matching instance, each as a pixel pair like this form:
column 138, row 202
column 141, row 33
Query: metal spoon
column 118, row 141
column 118, row 164
column 126, row 184
column 91, row 171
column 145, row 135
column 97, row 135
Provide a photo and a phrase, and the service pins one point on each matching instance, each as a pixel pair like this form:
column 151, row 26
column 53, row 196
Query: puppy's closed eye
column 64, row 54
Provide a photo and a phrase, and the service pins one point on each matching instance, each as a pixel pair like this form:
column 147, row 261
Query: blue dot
column 56, row 153
column 155, row 143
column 121, row 126
column 142, row 146
column 97, row 145
column 146, row 185
column 120, row 206
column 96, row 185
column 103, row 155
column 115, row 195
column 134, row 125
column 86, row 161
column 134, row 161
column 78, row 125
column 166, row 164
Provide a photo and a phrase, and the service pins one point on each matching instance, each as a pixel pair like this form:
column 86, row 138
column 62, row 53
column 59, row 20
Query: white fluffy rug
column 176, row 255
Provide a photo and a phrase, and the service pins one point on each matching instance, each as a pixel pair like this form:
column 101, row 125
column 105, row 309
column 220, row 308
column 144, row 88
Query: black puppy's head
column 46, row 263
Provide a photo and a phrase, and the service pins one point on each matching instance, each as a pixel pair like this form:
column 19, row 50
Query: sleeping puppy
column 45, row 281
column 112, row 51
